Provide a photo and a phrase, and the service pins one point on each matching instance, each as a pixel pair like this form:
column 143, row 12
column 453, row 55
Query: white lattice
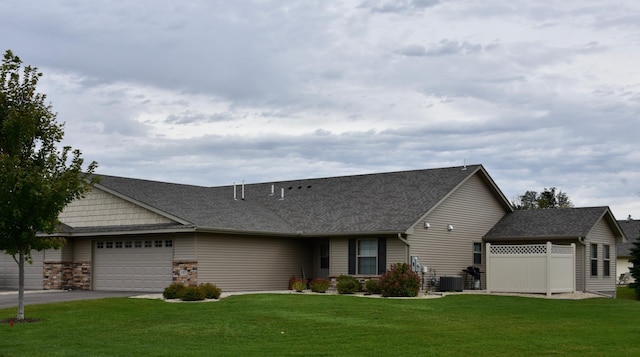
column 519, row 249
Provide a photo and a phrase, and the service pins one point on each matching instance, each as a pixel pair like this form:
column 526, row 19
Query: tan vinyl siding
column 472, row 210
column 601, row 235
column 580, row 267
column 396, row 252
column 52, row 255
column 184, row 247
column 82, row 250
column 244, row 263
column 100, row 208
column 339, row 257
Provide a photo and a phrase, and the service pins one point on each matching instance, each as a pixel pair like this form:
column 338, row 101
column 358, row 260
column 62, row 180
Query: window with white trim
column 477, row 253
column 594, row 259
column 606, row 260
column 367, row 256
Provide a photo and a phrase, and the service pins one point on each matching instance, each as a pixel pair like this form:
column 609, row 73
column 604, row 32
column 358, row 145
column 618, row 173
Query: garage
column 132, row 265
column 32, row 272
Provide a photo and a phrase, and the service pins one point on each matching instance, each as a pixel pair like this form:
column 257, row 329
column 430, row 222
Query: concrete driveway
column 10, row 298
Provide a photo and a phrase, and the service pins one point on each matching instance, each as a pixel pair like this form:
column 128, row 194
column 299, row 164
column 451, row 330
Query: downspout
column 581, row 240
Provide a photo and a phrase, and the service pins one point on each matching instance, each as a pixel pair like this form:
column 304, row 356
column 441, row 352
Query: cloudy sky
column 542, row 93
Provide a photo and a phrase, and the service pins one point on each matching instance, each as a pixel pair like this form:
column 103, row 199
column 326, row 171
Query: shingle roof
column 559, row 223
column 631, row 229
column 385, row 202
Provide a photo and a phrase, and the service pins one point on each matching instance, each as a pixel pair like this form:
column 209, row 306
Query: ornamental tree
column 38, row 178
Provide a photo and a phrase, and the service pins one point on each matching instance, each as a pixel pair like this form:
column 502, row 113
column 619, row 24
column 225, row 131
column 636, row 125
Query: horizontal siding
column 339, row 257
column 601, row 235
column 100, row 208
column 472, row 210
column 244, row 263
column 396, row 252
column 184, row 247
column 82, row 250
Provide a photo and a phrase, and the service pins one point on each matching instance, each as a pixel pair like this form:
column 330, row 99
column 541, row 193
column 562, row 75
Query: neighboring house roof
column 551, row 223
column 631, row 229
column 384, row 202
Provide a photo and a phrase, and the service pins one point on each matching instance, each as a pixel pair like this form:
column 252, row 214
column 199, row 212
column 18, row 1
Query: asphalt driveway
column 10, row 298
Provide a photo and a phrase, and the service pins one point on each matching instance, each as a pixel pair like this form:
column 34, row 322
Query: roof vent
column 273, row 190
column 282, row 194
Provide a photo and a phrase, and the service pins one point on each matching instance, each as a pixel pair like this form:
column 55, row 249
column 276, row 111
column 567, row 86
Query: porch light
column 426, row 225
column 449, row 228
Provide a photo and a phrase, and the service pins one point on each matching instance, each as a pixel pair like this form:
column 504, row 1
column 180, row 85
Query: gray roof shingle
column 385, row 202
column 631, row 229
column 559, row 223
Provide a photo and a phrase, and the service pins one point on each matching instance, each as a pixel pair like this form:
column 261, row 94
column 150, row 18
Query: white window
column 100, row 245
column 137, row 244
column 158, row 244
column 128, row 244
column 118, row 244
column 168, row 243
column 606, row 260
column 367, row 257
column 477, row 253
column 594, row 260
column 148, row 244
column 109, row 244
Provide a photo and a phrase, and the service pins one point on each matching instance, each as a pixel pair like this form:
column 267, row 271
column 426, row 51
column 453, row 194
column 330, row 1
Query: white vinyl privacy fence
column 531, row 268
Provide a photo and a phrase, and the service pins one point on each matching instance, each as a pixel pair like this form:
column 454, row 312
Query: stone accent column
column 82, row 276
column 185, row 272
column 57, row 275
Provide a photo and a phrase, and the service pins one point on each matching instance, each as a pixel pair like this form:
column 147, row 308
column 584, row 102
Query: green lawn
column 317, row 325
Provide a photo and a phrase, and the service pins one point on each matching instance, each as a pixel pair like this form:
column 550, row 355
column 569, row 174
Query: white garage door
column 133, row 265
column 32, row 272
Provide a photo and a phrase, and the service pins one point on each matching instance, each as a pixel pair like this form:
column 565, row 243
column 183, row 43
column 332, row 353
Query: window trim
column 593, row 254
column 477, row 253
column 374, row 255
column 606, row 260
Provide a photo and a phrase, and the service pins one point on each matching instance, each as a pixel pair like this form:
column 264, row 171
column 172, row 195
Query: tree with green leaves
column 38, row 178
column 548, row 198
column 635, row 268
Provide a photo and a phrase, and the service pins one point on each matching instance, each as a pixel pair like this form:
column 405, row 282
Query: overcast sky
column 542, row 93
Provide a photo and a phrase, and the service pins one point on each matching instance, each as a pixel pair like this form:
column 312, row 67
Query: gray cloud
column 208, row 92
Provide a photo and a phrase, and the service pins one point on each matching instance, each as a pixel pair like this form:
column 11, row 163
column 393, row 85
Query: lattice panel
column 519, row 249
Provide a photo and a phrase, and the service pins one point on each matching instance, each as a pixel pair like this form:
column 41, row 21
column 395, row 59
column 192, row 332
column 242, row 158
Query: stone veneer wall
column 64, row 275
column 82, row 276
column 57, row 276
column 185, row 272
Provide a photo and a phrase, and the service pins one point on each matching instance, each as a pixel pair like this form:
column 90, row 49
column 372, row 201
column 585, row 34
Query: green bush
column 211, row 291
column 346, row 284
column 372, row 286
column 192, row 293
column 173, row 291
column 400, row 280
column 319, row 285
column 299, row 284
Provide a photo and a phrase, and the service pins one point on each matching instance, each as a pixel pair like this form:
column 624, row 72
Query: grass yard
column 316, row 325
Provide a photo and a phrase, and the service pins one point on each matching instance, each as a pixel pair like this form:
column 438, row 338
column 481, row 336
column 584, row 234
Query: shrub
column 292, row 279
column 319, row 285
column 372, row 286
column 211, row 291
column 299, row 284
column 400, row 280
column 192, row 293
column 346, row 284
column 173, row 291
